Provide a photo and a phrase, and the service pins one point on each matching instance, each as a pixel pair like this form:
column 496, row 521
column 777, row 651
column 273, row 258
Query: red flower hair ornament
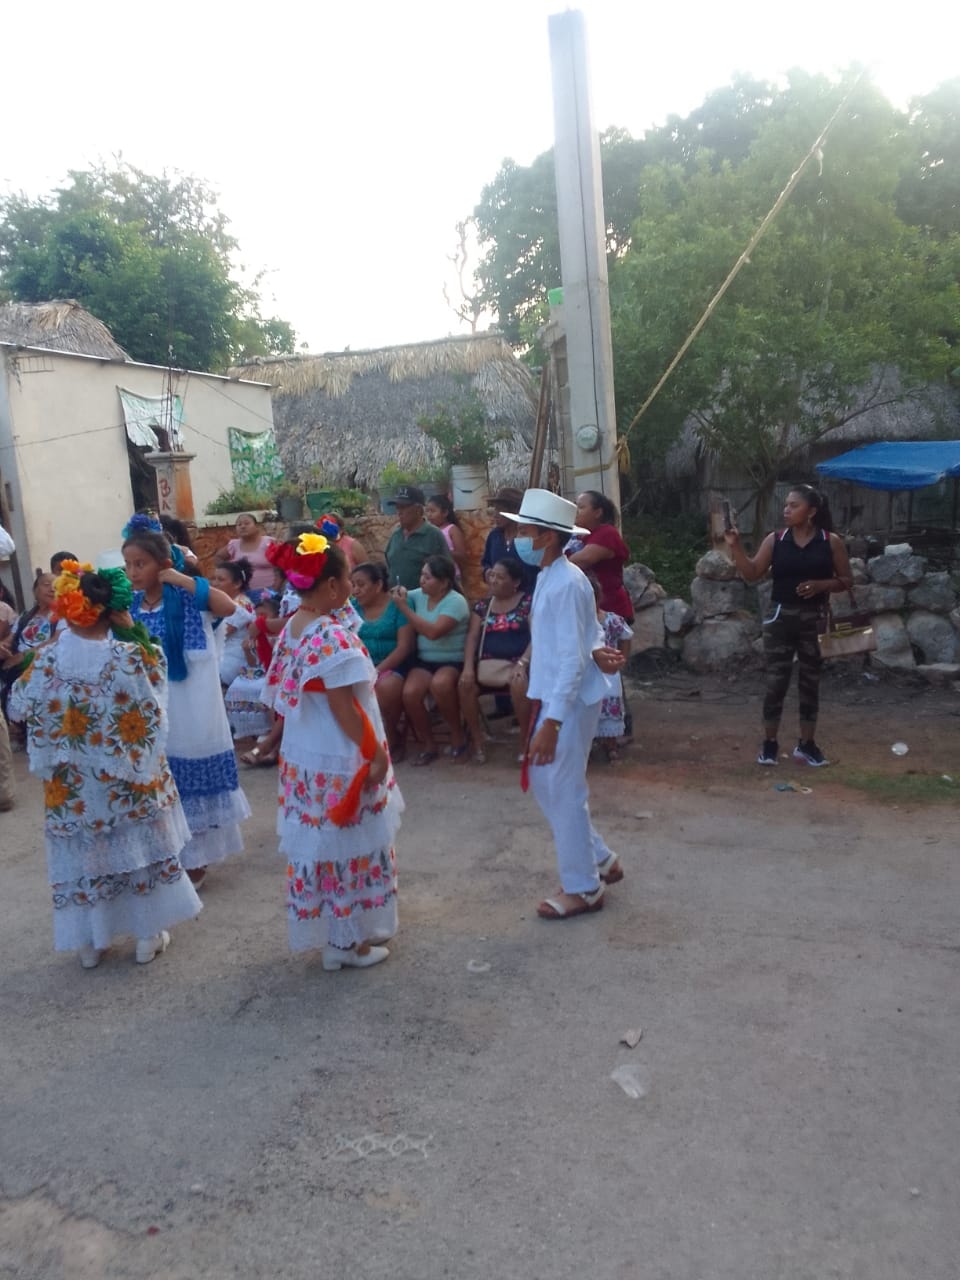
column 300, row 565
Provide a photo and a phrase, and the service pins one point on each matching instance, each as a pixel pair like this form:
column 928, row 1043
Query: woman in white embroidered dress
column 176, row 610
column 339, row 802
column 96, row 730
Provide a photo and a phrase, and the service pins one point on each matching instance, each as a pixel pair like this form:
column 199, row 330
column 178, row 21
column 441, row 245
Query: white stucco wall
column 63, row 446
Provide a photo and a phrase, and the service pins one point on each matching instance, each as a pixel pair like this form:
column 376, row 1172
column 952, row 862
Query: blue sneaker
column 769, row 752
column 809, row 753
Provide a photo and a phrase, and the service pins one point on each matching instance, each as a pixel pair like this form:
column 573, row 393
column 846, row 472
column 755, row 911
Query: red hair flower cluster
column 300, row 565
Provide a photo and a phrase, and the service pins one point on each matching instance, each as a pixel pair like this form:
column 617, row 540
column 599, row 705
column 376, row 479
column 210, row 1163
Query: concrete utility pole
column 583, row 258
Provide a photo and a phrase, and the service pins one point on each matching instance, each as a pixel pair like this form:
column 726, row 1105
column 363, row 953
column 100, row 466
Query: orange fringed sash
column 345, row 810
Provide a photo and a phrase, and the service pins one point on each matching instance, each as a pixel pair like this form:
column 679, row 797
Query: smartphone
column 727, row 514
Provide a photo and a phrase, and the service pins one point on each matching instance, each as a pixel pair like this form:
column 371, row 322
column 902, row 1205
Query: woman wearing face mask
column 567, row 686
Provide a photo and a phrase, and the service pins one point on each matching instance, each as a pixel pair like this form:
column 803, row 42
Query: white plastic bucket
column 470, row 486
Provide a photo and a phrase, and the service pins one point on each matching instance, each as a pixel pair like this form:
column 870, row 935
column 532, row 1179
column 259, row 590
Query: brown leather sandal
column 553, row 908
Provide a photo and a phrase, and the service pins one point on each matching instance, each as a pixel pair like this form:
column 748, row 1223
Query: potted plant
column 463, row 433
column 352, row 502
column 289, row 499
column 318, row 498
column 243, row 497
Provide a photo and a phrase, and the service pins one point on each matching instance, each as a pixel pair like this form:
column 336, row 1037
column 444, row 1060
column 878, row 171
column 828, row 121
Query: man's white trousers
column 562, row 793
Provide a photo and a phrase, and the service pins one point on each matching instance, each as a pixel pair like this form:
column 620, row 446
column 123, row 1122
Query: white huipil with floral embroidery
column 95, row 712
column 341, row 881
column 200, row 747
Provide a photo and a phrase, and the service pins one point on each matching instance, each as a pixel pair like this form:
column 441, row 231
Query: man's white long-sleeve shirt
column 564, row 631
column 7, row 547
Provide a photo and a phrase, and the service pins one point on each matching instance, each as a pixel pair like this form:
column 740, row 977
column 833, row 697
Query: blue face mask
column 525, row 549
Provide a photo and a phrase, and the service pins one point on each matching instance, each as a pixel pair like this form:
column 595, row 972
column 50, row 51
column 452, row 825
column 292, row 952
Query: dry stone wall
column 916, row 614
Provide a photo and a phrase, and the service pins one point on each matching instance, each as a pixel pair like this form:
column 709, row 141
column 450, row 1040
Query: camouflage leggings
column 793, row 631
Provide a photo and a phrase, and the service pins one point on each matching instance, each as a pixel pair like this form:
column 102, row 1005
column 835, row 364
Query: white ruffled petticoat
column 204, row 765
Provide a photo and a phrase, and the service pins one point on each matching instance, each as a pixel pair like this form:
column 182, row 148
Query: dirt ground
column 791, row 957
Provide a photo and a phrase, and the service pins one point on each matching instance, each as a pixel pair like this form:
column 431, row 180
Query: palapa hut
column 885, row 411
column 353, row 412
column 59, row 325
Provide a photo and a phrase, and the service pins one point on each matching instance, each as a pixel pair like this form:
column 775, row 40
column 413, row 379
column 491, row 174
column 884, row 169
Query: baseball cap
column 409, row 495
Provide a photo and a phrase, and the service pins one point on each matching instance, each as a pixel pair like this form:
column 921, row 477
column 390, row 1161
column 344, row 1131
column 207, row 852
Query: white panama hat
column 549, row 510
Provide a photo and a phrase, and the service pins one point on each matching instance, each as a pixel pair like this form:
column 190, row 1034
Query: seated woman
column 390, row 642
column 33, row 629
column 438, row 614
column 233, row 578
column 499, row 633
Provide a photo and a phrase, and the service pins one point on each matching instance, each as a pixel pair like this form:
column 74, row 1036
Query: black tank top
column 793, row 565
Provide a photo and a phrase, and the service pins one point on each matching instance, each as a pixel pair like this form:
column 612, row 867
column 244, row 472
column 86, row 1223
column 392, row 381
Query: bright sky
column 347, row 139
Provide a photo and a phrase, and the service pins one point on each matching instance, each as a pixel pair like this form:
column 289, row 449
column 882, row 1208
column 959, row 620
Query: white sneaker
column 89, row 957
column 334, row 958
column 149, row 948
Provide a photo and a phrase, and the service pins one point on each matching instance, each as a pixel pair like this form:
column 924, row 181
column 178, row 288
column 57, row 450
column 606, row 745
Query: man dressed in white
column 567, row 686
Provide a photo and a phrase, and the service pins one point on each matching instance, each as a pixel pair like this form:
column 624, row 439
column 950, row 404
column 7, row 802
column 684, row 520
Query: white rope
column 814, row 152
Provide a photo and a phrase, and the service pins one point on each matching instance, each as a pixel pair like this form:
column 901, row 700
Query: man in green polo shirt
column 413, row 541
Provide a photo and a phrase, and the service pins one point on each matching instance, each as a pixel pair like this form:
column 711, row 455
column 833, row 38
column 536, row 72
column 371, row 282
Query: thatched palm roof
column 352, row 412
column 60, row 325
column 883, row 411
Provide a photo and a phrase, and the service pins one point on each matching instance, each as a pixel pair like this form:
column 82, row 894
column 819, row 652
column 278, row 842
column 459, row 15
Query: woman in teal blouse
column 438, row 614
column 390, row 642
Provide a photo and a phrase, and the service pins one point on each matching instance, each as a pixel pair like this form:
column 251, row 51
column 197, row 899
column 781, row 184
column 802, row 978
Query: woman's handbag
column 493, row 673
column 853, row 634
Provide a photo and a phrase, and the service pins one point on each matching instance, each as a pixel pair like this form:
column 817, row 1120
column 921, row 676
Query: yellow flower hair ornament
column 312, row 544
column 303, row 564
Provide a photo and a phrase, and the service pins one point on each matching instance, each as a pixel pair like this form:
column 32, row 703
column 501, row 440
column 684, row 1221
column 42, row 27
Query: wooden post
column 540, row 433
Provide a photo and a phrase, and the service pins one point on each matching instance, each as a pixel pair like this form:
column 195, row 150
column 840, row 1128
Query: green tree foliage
column 516, row 221
column 843, row 297
column 929, row 192
column 149, row 256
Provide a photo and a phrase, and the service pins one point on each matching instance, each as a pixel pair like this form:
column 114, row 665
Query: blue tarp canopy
column 895, row 465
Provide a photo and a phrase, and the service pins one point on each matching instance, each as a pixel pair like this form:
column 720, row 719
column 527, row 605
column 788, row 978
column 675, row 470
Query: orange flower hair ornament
column 300, row 565
column 70, row 604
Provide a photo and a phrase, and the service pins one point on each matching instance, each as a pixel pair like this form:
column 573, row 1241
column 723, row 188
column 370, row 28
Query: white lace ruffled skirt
column 203, row 764
column 95, row 904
